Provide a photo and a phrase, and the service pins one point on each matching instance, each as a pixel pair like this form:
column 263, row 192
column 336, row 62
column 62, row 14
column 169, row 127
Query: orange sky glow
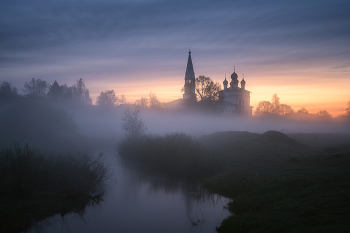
column 313, row 92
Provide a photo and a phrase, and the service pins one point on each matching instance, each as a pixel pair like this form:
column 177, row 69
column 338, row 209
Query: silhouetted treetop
column 7, row 91
column 35, row 88
column 81, row 93
column 107, row 98
column 273, row 107
column 206, row 88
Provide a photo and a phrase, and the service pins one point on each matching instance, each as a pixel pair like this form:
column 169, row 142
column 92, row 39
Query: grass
column 277, row 183
column 176, row 155
column 34, row 186
column 293, row 188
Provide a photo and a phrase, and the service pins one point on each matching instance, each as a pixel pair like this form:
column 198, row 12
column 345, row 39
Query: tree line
column 276, row 108
column 37, row 88
column 78, row 92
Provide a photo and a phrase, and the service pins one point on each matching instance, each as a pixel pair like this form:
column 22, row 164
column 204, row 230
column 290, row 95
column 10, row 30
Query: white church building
column 233, row 100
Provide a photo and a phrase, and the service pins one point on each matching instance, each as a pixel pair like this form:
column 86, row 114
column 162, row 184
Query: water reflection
column 141, row 201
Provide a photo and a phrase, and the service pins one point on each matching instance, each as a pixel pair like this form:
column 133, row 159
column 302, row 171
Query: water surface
column 136, row 201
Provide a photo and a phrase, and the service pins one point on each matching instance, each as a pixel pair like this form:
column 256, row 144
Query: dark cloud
column 145, row 33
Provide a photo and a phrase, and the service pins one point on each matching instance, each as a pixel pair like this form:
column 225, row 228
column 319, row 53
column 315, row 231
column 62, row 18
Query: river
column 136, row 201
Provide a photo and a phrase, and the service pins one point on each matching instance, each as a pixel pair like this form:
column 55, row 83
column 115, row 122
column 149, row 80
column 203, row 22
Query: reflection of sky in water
column 137, row 202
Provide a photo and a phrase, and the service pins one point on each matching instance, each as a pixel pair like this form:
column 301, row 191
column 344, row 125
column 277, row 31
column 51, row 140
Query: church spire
column 190, row 80
column 189, row 69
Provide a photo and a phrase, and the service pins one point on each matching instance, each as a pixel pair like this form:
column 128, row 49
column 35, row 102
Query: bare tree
column 142, row 103
column 132, row 125
column 154, row 103
column 35, row 88
column 273, row 107
column 206, row 88
column 107, row 98
column 264, row 107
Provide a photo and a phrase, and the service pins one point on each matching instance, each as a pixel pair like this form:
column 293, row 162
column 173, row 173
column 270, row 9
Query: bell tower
column 190, row 81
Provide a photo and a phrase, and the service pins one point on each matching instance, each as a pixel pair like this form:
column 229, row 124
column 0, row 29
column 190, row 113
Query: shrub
column 174, row 154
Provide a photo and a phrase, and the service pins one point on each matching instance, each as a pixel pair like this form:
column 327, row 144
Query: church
column 233, row 100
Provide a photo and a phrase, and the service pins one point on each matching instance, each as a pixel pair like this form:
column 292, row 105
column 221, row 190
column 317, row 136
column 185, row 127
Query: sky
column 299, row 50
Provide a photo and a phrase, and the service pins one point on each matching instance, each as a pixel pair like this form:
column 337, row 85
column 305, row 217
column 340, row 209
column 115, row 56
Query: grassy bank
column 34, row 186
column 176, row 155
column 277, row 182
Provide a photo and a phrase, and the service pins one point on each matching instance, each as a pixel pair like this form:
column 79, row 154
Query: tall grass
column 174, row 154
column 34, row 186
column 24, row 170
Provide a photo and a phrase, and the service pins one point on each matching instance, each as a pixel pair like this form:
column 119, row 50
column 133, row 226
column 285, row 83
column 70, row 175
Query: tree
column 35, row 88
column 207, row 89
column 264, row 107
column 132, row 125
column 56, row 91
column 142, row 103
column 7, row 91
column 286, row 109
column 324, row 114
column 107, row 98
column 303, row 111
column 81, row 93
column 348, row 109
column 273, row 107
column 154, row 103
column 122, row 99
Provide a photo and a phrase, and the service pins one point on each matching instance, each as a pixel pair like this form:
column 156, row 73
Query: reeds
column 26, row 170
column 174, row 154
column 34, row 186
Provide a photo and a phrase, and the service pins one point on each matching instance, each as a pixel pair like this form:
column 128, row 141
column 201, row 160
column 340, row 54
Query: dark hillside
column 244, row 149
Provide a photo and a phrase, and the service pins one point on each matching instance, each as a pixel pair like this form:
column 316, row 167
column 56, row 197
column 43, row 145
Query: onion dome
column 243, row 82
column 235, row 81
column 225, row 81
column 234, row 76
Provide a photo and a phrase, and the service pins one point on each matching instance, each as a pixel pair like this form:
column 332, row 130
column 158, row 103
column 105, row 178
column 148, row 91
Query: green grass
column 34, row 186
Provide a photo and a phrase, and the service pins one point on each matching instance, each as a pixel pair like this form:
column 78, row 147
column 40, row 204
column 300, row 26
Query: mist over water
column 143, row 202
column 198, row 124
column 136, row 200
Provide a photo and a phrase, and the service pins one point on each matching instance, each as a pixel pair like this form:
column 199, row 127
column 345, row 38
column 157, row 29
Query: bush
column 25, row 170
column 175, row 154
column 34, row 186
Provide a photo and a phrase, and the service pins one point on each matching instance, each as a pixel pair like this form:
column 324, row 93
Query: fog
column 107, row 123
column 58, row 125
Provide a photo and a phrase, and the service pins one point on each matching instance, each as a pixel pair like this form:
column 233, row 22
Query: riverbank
column 34, row 186
column 277, row 182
